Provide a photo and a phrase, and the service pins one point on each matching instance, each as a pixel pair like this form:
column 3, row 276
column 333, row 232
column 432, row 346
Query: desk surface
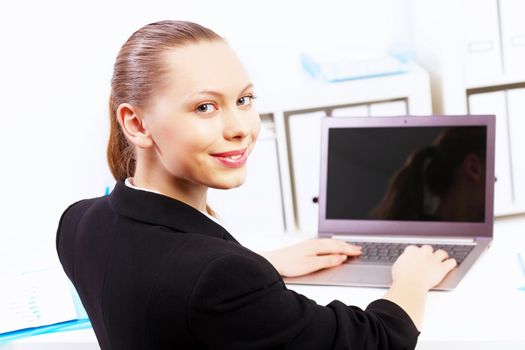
column 485, row 311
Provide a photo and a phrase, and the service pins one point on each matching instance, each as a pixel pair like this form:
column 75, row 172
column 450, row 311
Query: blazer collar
column 158, row 209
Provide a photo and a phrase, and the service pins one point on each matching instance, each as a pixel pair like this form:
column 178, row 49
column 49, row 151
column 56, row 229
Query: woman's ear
column 133, row 126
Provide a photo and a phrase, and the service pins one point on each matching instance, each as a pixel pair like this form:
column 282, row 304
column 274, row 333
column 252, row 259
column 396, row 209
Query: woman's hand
column 310, row 255
column 422, row 267
column 414, row 273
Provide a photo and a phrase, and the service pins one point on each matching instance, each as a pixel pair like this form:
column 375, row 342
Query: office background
column 56, row 65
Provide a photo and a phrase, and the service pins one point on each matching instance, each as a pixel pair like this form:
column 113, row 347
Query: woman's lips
column 232, row 159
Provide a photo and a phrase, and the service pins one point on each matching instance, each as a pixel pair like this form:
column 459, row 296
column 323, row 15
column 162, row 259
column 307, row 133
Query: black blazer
column 155, row 273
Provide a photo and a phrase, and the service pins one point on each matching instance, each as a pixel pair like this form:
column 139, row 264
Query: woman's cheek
column 256, row 127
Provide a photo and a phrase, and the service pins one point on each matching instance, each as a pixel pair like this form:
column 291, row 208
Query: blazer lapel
column 158, row 209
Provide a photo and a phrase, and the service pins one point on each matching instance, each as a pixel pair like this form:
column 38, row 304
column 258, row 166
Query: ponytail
column 120, row 153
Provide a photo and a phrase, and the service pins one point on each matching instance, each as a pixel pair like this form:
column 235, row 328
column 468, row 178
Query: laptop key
column 379, row 252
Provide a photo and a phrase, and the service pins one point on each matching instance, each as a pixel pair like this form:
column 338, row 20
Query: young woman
column 153, row 267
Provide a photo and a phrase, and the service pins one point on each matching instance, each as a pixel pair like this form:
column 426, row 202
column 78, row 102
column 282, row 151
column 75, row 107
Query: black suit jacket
column 155, row 273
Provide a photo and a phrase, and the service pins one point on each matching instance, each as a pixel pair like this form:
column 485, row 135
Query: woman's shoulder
column 84, row 204
column 77, row 210
column 197, row 247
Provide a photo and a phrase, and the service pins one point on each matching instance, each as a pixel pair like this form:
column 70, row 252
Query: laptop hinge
column 408, row 239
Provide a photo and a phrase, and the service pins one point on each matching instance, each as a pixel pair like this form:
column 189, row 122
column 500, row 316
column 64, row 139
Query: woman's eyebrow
column 218, row 94
column 248, row 87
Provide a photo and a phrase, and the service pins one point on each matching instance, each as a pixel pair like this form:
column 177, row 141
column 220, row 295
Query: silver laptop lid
column 409, row 176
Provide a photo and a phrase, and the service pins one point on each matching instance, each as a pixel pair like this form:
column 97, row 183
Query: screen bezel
column 409, row 228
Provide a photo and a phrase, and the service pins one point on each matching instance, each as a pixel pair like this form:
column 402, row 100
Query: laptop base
column 356, row 274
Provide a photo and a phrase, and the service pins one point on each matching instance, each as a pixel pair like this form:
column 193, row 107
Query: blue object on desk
column 522, row 265
column 58, row 327
column 346, row 64
column 30, row 307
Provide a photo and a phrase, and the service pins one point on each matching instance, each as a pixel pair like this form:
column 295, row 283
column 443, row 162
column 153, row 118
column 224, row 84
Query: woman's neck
column 183, row 190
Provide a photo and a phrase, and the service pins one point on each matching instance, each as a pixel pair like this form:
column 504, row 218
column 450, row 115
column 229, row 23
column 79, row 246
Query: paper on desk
column 35, row 299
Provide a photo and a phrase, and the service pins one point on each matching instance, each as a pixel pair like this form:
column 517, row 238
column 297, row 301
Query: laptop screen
column 408, row 170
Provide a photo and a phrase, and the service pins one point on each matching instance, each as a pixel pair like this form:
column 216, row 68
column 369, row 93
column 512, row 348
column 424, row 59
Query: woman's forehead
column 205, row 66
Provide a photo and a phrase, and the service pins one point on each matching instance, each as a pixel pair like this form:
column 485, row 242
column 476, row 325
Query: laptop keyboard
column 387, row 253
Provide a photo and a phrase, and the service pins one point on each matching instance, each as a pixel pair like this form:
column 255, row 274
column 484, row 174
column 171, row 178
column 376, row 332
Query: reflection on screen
column 407, row 173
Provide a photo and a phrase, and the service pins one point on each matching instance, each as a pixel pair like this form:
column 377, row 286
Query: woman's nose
column 235, row 127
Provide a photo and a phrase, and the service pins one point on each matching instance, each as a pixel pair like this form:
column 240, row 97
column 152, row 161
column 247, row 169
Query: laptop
column 386, row 182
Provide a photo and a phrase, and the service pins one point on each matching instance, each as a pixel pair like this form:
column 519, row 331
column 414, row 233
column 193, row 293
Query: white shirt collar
column 129, row 183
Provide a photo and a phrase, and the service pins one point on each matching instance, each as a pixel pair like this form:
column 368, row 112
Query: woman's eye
column 205, row 108
column 245, row 100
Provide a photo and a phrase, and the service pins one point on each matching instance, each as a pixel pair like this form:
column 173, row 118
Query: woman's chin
column 229, row 182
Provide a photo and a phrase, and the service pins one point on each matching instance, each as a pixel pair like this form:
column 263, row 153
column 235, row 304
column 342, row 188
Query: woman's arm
column 415, row 272
column 240, row 302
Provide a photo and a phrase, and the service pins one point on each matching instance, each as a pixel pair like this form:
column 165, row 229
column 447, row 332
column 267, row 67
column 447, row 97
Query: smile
column 232, row 159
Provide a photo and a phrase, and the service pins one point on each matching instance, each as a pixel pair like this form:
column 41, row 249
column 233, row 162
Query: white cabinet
column 352, row 111
column 388, row 109
column 476, row 61
column 305, row 155
column 494, row 41
column 516, row 120
column 509, row 107
column 482, row 44
column 513, row 35
column 494, row 103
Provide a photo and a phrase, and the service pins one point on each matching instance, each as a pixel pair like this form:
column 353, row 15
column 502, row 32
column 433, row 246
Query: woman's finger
column 441, row 254
column 449, row 264
column 324, row 261
column 427, row 248
column 332, row 246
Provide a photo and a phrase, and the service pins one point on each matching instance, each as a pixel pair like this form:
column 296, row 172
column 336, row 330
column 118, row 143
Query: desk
column 486, row 310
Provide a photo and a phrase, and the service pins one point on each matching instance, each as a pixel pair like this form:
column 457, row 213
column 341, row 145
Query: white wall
column 56, row 61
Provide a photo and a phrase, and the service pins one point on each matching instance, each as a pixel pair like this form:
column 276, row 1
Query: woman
column 152, row 266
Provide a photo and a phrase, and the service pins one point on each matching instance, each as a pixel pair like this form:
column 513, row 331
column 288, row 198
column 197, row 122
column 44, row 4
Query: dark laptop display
column 422, row 173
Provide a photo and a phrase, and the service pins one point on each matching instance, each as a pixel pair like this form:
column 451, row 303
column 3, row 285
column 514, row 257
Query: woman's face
column 203, row 123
